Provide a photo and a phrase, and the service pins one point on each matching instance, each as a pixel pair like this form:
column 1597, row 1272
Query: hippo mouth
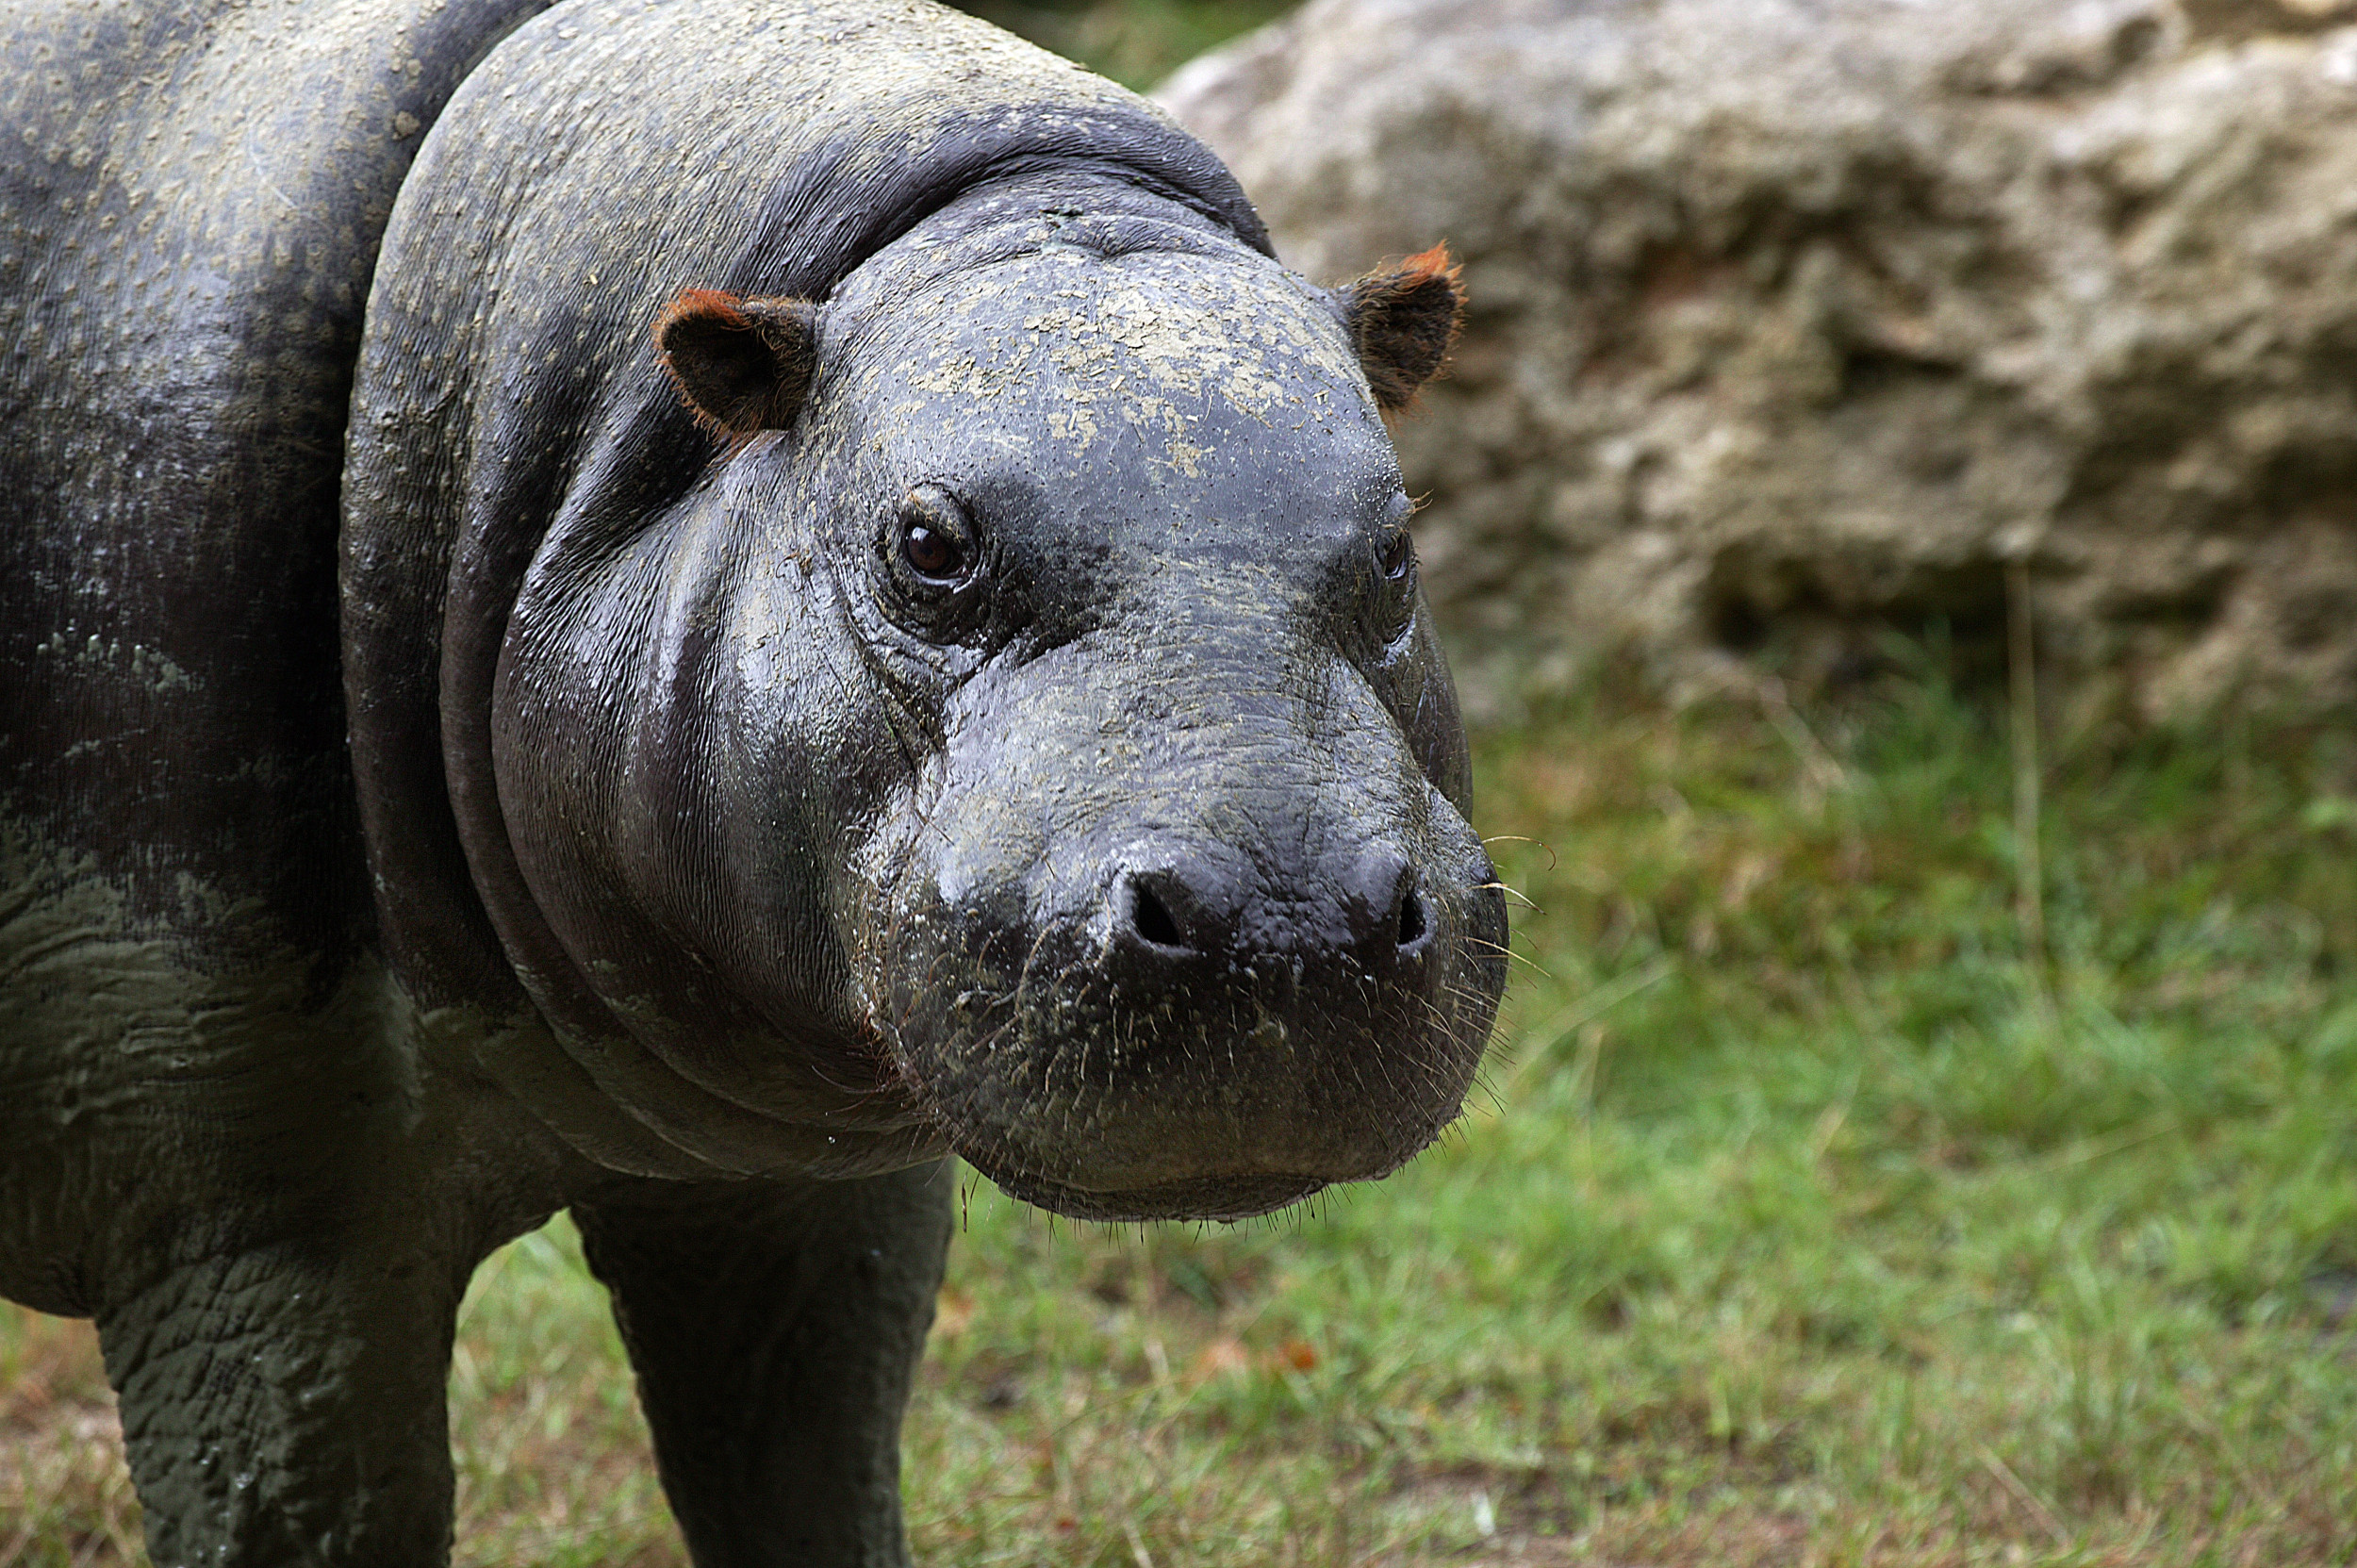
column 1199, row 1197
column 1102, row 1072
column 1190, row 943
column 1259, row 1172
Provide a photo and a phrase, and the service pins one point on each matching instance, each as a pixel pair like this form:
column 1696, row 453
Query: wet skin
column 953, row 679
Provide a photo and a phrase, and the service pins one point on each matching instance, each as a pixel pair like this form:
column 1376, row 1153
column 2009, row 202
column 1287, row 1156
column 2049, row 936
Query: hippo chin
column 673, row 633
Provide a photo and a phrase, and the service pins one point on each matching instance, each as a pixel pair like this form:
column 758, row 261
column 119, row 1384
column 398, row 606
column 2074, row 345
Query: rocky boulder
column 1797, row 319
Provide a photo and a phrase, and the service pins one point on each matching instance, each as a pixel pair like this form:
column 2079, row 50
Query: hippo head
column 1044, row 744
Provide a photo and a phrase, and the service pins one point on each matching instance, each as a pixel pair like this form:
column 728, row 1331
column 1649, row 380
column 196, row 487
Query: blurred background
column 1894, row 514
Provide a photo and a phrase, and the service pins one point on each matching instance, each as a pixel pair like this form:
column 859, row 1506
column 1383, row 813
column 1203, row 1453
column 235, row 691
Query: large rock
column 1795, row 318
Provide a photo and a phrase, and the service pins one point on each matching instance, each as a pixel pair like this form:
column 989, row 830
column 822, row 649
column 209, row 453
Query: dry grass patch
column 65, row 1497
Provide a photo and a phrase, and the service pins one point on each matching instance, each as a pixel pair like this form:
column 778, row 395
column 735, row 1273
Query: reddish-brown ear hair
column 1403, row 320
column 744, row 366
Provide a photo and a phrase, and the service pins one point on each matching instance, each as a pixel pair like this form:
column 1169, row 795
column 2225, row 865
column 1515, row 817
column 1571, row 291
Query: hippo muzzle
column 1184, row 944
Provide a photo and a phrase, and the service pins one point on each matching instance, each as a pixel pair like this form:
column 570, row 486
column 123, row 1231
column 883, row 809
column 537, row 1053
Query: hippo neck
column 1001, row 167
column 1094, row 207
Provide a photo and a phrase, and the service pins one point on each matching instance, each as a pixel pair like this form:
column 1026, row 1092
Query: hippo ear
column 743, row 365
column 1402, row 322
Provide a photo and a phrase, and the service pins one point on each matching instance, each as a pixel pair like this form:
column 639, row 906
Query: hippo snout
column 1209, row 1019
column 1186, row 915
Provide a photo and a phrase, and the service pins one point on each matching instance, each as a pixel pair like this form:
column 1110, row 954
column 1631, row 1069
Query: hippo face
column 1049, row 742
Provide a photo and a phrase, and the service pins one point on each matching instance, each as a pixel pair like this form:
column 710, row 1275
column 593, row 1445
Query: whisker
column 1513, row 957
column 1511, row 890
column 1553, row 861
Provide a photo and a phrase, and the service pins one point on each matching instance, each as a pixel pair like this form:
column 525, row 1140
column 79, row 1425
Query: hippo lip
column 1194, row 1197
column 1225, row 1093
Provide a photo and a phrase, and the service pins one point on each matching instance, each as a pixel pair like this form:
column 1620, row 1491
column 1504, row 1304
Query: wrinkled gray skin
column 619, row 820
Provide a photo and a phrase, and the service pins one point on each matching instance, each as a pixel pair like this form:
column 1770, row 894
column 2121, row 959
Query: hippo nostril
column 1390, row 917
column 1149, row 918
column 1413, row 925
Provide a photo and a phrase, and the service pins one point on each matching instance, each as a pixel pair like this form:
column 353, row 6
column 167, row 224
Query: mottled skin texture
column 671, row 610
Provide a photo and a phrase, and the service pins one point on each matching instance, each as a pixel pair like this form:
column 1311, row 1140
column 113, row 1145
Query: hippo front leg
column 283, row 1405
column 774, row 1328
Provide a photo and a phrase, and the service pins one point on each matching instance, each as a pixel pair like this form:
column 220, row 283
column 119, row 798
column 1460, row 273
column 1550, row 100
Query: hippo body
column 672, row 610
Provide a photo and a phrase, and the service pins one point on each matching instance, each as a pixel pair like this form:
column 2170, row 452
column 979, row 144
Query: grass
column 1805, row 1217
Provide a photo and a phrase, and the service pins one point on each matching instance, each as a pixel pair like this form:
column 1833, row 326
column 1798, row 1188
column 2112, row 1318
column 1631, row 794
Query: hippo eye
column 933, row 539
column 932, row 566
column 1399, row 553
column 931, row 554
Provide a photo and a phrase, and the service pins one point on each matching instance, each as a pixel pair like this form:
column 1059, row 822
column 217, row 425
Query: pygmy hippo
column 674, row 609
